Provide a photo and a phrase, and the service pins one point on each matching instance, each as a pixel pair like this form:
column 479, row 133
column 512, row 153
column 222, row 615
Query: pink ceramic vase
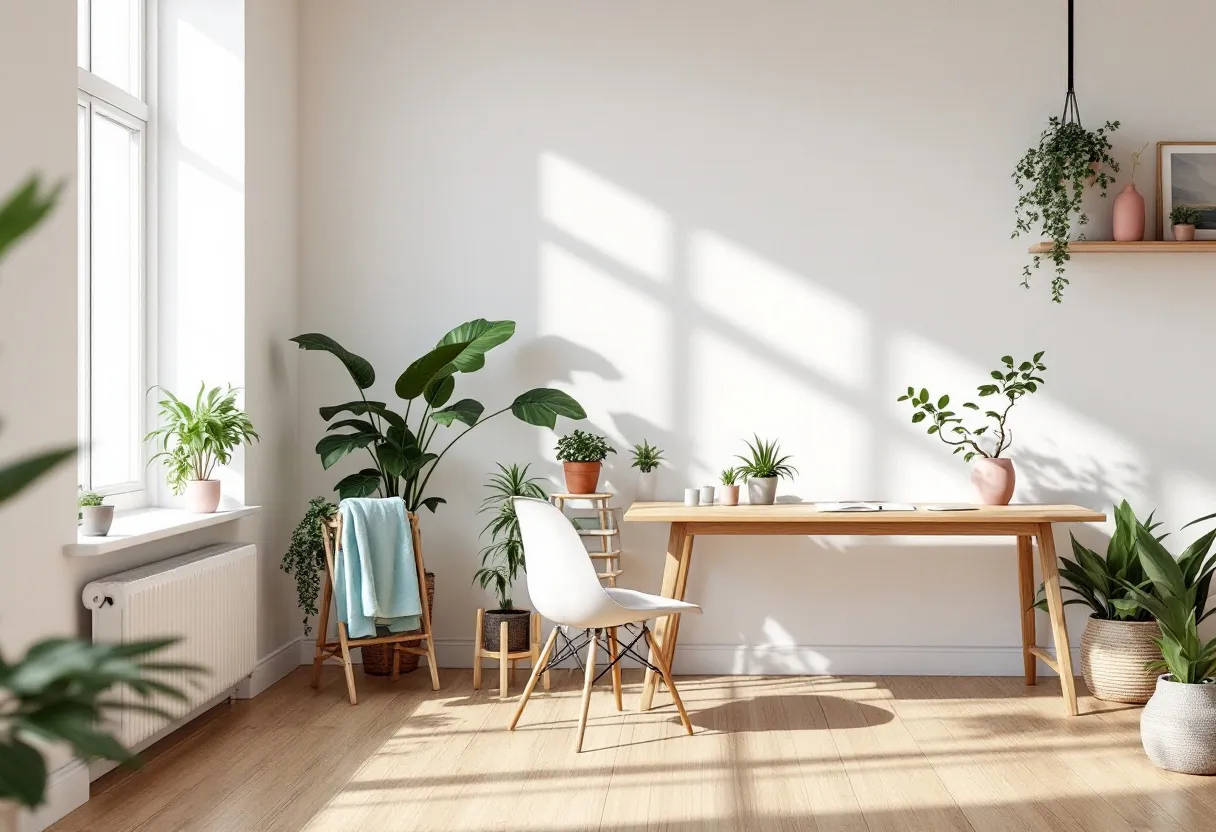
column 993, row 480
column 202, row 496
column 1128, row 219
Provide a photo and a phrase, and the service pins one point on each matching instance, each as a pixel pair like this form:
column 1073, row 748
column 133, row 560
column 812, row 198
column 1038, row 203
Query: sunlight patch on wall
column 605, row 216
column 210, row 100
column 787, row 312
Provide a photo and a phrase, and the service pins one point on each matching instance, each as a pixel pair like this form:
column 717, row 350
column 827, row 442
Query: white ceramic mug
column 707, row 495
column 692, row 496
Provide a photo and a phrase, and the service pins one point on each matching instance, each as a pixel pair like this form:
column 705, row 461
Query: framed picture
column 1186, row 175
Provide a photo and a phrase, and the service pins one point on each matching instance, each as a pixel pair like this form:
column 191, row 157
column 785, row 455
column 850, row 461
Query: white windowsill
column 145, row 525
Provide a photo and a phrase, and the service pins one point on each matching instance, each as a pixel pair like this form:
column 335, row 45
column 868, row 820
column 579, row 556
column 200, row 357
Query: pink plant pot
column 994, row 480
column 728, row 495
column 1184, row 233
column 1128, row 216
column 202, row 496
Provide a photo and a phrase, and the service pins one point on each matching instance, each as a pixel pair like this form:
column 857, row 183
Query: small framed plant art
column 1186, row 178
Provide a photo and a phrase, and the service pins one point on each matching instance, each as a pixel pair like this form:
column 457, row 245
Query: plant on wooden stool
column 582, row 456
column 503, row 559
column 305, row 556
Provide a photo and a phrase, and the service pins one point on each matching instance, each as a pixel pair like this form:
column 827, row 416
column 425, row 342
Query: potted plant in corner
column 193, row 440
column 646, row 459
column 582, row 457
column 993, row 475
column 95, row 517
column 728, row 494
column 763, row 467
column 503, row 558
column 1178, row 725
column 1183, row 220
column 1120, row 638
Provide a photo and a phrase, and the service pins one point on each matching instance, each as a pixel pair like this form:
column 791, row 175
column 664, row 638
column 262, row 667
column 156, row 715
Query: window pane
column 115, row 300
column 82, row 266
column 117, row 43
column 82, row 33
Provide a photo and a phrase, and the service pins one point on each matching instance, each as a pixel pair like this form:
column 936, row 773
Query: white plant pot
column 202, row 496
column 762, row 492
column 96, row 520
column 1178, row 727
column 648, row 482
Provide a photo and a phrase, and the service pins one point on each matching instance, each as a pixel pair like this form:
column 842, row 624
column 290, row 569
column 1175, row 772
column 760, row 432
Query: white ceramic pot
column 1178, row 727
column 707, row 495
column 202, row 496
column 762, row 492
column 692, row 496
column 96, row 520
column 1115, row 656
column 648, row 482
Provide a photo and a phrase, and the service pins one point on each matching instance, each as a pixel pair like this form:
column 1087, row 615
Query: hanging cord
column 1072, row 113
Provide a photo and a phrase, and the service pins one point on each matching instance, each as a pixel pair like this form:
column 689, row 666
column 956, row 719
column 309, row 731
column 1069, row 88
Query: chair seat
column 635, row 606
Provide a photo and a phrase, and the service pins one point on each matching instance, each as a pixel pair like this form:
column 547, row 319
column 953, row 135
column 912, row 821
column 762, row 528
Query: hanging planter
column 1053, row 176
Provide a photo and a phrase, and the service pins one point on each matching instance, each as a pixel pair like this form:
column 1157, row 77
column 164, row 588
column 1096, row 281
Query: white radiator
column 208, row 599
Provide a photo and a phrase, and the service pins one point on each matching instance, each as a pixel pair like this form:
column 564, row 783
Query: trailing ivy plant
column 1011, row 382
column 305, row 556
column 503, row 559
column 1051, row 179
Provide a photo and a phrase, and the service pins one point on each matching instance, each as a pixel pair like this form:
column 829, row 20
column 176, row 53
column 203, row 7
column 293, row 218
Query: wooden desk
column 1023, row 522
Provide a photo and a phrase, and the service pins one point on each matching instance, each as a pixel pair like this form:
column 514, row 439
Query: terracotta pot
column 1178, row 727
column 993, row 480
column 202, row 496
column 1184, row 233
column 518, row 639
column 647, row 486
column 1115, row 657
column 728, row 495
column 1128, row 216
column 96, row 520
column 582, row 477
column 762, row 492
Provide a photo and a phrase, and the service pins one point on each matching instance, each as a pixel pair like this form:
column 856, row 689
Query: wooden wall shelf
column 1143, row 247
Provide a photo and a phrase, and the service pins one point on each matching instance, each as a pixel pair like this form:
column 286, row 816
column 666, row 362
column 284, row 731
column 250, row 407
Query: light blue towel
column 375, row 576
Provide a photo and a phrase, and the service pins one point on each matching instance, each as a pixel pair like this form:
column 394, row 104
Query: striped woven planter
column 1115, row 656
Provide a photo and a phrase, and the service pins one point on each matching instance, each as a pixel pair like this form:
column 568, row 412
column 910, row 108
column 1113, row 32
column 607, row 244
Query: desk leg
column 675, row 562
column 1055, row 610
column 669, row 643
column 1026, row 599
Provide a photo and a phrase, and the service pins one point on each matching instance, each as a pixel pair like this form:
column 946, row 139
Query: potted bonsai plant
column 95, row 517
column 1051, row 179
column 193, row 440
column 728, row 494
column 993, row 475
column 503, row 559
column 1178, row 725
column 582, row 457
column 763, row 467
column 1120, row 638
column 1183, row 219
column 646, row 459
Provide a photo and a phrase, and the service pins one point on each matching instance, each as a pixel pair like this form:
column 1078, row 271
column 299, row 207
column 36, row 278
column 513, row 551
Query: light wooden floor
column 770, row 753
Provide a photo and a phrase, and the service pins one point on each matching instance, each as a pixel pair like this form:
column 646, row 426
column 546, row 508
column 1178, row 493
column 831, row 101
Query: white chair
column 564, row 588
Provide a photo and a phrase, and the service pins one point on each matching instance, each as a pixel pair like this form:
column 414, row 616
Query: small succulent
column 1184, row 215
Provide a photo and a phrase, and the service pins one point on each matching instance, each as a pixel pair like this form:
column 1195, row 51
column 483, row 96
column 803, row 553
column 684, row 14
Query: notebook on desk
column 864, row 505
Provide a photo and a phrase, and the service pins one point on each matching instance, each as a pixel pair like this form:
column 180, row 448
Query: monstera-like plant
column 399, row 444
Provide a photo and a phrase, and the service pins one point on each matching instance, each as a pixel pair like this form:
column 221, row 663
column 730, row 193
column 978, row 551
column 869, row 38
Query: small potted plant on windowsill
column 503, row 559
column 193, row 440
column 1183, row 219
column 728, row 494
column 95, row 517
column 582, row 456
column 993, row 476
column 646, row 458
column 763, row 467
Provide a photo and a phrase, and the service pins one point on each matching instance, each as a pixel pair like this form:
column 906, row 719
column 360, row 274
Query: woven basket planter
column 1115, row 656
column 518, row 621
column 378, row 658
column 1178, row 727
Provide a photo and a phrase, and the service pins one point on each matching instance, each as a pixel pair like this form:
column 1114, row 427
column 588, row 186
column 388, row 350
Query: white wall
column 714, row 218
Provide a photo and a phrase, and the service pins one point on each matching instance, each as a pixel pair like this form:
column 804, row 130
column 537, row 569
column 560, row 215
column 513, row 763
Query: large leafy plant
column 305, row 556
column 1012, row 382
column 402, row 461
column 503, row 558
column 1051, row 181
column 193, row 440
column 1178, row 600
column 578, row 446
column 764, row 460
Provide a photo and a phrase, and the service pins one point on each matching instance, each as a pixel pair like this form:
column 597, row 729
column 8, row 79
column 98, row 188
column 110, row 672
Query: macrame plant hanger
column 1072, row 113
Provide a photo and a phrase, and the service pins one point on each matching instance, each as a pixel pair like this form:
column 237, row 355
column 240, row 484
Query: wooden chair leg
column 347, row 665
column 431, row 662
column 318, row 657
column 396, row 674
column 534, row 638
column 616, row 666
column 588, row 679
column 523, row 700
column 503, row 662
column 477, row 646
column 657, row 657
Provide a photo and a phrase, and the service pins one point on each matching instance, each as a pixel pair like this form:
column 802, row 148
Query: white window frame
column 102, row 98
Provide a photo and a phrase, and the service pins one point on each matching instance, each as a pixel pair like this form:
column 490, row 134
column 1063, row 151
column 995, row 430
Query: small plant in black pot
column 503, row 559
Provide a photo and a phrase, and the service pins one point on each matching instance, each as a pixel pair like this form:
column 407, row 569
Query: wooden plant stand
column 506, row 660
column 609, row 532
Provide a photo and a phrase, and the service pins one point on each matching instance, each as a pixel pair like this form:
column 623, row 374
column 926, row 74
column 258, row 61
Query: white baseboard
column 271, row 669
column 67, row 789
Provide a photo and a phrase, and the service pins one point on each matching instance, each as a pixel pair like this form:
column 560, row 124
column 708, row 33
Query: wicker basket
column 518, row 635
column 378, row 658
column 1115, row 656
column 1178, row 727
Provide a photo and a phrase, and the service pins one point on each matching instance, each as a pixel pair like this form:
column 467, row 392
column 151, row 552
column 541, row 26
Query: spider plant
column 193, row 440
column 765, row 461
column 646, row 457
column 730, row 476
column 502, row 560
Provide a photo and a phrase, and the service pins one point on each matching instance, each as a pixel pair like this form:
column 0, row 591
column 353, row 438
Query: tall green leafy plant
column 193, row 440
column 502, row 560
column 764, row 460
column 399, row 445
column 304, row 559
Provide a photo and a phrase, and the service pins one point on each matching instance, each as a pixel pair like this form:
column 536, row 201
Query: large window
column 116, row 190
